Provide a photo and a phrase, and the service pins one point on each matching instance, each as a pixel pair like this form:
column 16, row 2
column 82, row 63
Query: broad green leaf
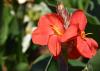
column 92, row 19
column 71, row 10
column 80, row 4
column 0, row 67
column 45, row 63
column 67, row 3
column 12, row 29
column 51, row 3
column 91, row 5
column 53, row 66
column 40, row 65
column 98, row 2
column 74, row 3
column 1, row 56
column 4, row 28
column 40, row 58
column 94, row 63
column 87, row 2
column 76, row 63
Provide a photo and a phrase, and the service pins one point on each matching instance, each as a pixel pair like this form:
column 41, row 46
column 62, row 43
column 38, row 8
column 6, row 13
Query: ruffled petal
column 92, row 44
column 41, row 35
column 83, row 47
column 54, row 45
column 79, row 18
column 70, row 32
column 50, row 20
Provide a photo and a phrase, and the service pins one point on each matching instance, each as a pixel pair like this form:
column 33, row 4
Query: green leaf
column 40, row 58
column 12, row 29
column 92, row 19
column 4, row 28
column 71, row 10
column 94, row 63
column 74, row 3
column 53, row 66
column 1, row 56
column 98, row 2
column 67, row 3
column 22, row 67
column 76, row 63
column 41, row 64
column 80, row 4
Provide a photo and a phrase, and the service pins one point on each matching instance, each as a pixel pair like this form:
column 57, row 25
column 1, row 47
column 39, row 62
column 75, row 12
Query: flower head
column 84, row 45
column 51, row 32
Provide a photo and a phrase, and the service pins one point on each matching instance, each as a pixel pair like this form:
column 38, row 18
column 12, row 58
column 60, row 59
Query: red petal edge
column 83, row 48
column 51, row 19
column 41, row 36
column 79, row 18
column 54, row 45
column 92, row 44
column 70, row 32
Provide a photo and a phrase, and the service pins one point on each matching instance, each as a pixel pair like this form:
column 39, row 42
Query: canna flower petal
column 83, row 47
column 50, row 20
column 54, row 45
column 92, row 44
column 40, row 36
column 70, row 32
column 79, row 18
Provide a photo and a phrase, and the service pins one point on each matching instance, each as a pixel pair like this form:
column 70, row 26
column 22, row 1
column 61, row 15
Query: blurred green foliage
column 17, row 22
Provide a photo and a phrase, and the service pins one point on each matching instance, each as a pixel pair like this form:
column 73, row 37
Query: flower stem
column 63, row 64
column 46, row 69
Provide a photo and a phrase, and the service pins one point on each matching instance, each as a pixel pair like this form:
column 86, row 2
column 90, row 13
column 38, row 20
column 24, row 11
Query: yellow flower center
column 83, row 35
column 57, row 30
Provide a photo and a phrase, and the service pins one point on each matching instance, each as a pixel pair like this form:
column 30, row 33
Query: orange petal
column 41, row 35
column 52, row 19
column 79, row 18
column 70, row 32
column 54, row 45
column 83, row 47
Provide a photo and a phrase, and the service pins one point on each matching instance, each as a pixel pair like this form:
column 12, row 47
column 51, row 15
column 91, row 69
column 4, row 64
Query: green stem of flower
column 47, row 66
column 63, row 63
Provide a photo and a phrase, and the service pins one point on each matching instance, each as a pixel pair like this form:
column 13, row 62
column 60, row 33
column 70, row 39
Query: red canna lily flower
column 85, row 46
column 51, row 32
